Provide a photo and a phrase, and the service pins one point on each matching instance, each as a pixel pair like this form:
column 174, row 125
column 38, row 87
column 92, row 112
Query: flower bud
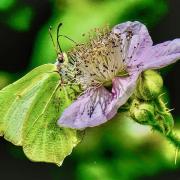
column 165, row 122
column 149, row 85
column 142, row 112
column 164, row 117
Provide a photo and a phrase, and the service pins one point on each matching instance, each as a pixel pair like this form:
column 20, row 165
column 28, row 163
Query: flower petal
column 161, row 55
column 98, row 105
column 123, row 87
column 134, row 46
column 88, row 110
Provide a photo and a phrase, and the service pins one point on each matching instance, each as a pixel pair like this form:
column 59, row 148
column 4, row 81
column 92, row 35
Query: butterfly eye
column 60, row 58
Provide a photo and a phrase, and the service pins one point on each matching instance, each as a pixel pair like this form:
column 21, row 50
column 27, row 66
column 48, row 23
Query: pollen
column 99, row 61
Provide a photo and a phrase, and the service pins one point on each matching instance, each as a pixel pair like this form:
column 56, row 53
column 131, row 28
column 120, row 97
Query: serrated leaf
column 29, row 110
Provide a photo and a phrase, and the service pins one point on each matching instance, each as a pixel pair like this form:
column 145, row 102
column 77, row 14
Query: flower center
column 98, row 62
column 107, row 84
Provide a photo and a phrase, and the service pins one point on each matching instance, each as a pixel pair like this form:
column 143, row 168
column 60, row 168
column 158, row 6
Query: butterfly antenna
column 57, row 36
column 50, row 33
column 68, row 38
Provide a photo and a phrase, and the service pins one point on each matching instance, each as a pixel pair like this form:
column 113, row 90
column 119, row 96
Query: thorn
column 169, row 110
column 162, row 94
column 176, row 155
column 166, row 103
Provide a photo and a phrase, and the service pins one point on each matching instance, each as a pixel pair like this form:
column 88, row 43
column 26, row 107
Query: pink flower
column 108, row 68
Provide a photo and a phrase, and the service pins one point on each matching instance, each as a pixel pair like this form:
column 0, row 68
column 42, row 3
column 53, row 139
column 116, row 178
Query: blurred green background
column 120, row 149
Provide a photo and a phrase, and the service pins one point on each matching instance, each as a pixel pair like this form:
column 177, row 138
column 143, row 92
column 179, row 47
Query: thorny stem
column 173, row 139
column 171, row 136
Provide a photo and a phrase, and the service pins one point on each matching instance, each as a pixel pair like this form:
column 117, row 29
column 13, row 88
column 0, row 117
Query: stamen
column 99, row 61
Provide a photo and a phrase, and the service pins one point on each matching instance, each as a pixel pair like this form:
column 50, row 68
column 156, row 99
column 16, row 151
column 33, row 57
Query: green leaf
column 29, row 110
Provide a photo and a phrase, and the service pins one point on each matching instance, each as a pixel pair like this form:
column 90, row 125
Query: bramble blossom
column 107, row 68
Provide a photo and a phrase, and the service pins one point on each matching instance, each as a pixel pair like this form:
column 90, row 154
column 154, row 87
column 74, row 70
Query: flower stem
column 171, row 136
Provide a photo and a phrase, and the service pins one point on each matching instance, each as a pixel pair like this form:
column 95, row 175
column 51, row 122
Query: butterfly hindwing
column 30, row 108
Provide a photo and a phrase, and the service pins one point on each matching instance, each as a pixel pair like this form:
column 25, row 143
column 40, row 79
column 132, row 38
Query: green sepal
column 163, row 116
column 153, row 113
column 142, row 112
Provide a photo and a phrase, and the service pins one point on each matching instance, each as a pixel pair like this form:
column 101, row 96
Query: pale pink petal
column 135, row 46
column 161, row 55
column 98, row 105
column 88, row 110
column 123, row 88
